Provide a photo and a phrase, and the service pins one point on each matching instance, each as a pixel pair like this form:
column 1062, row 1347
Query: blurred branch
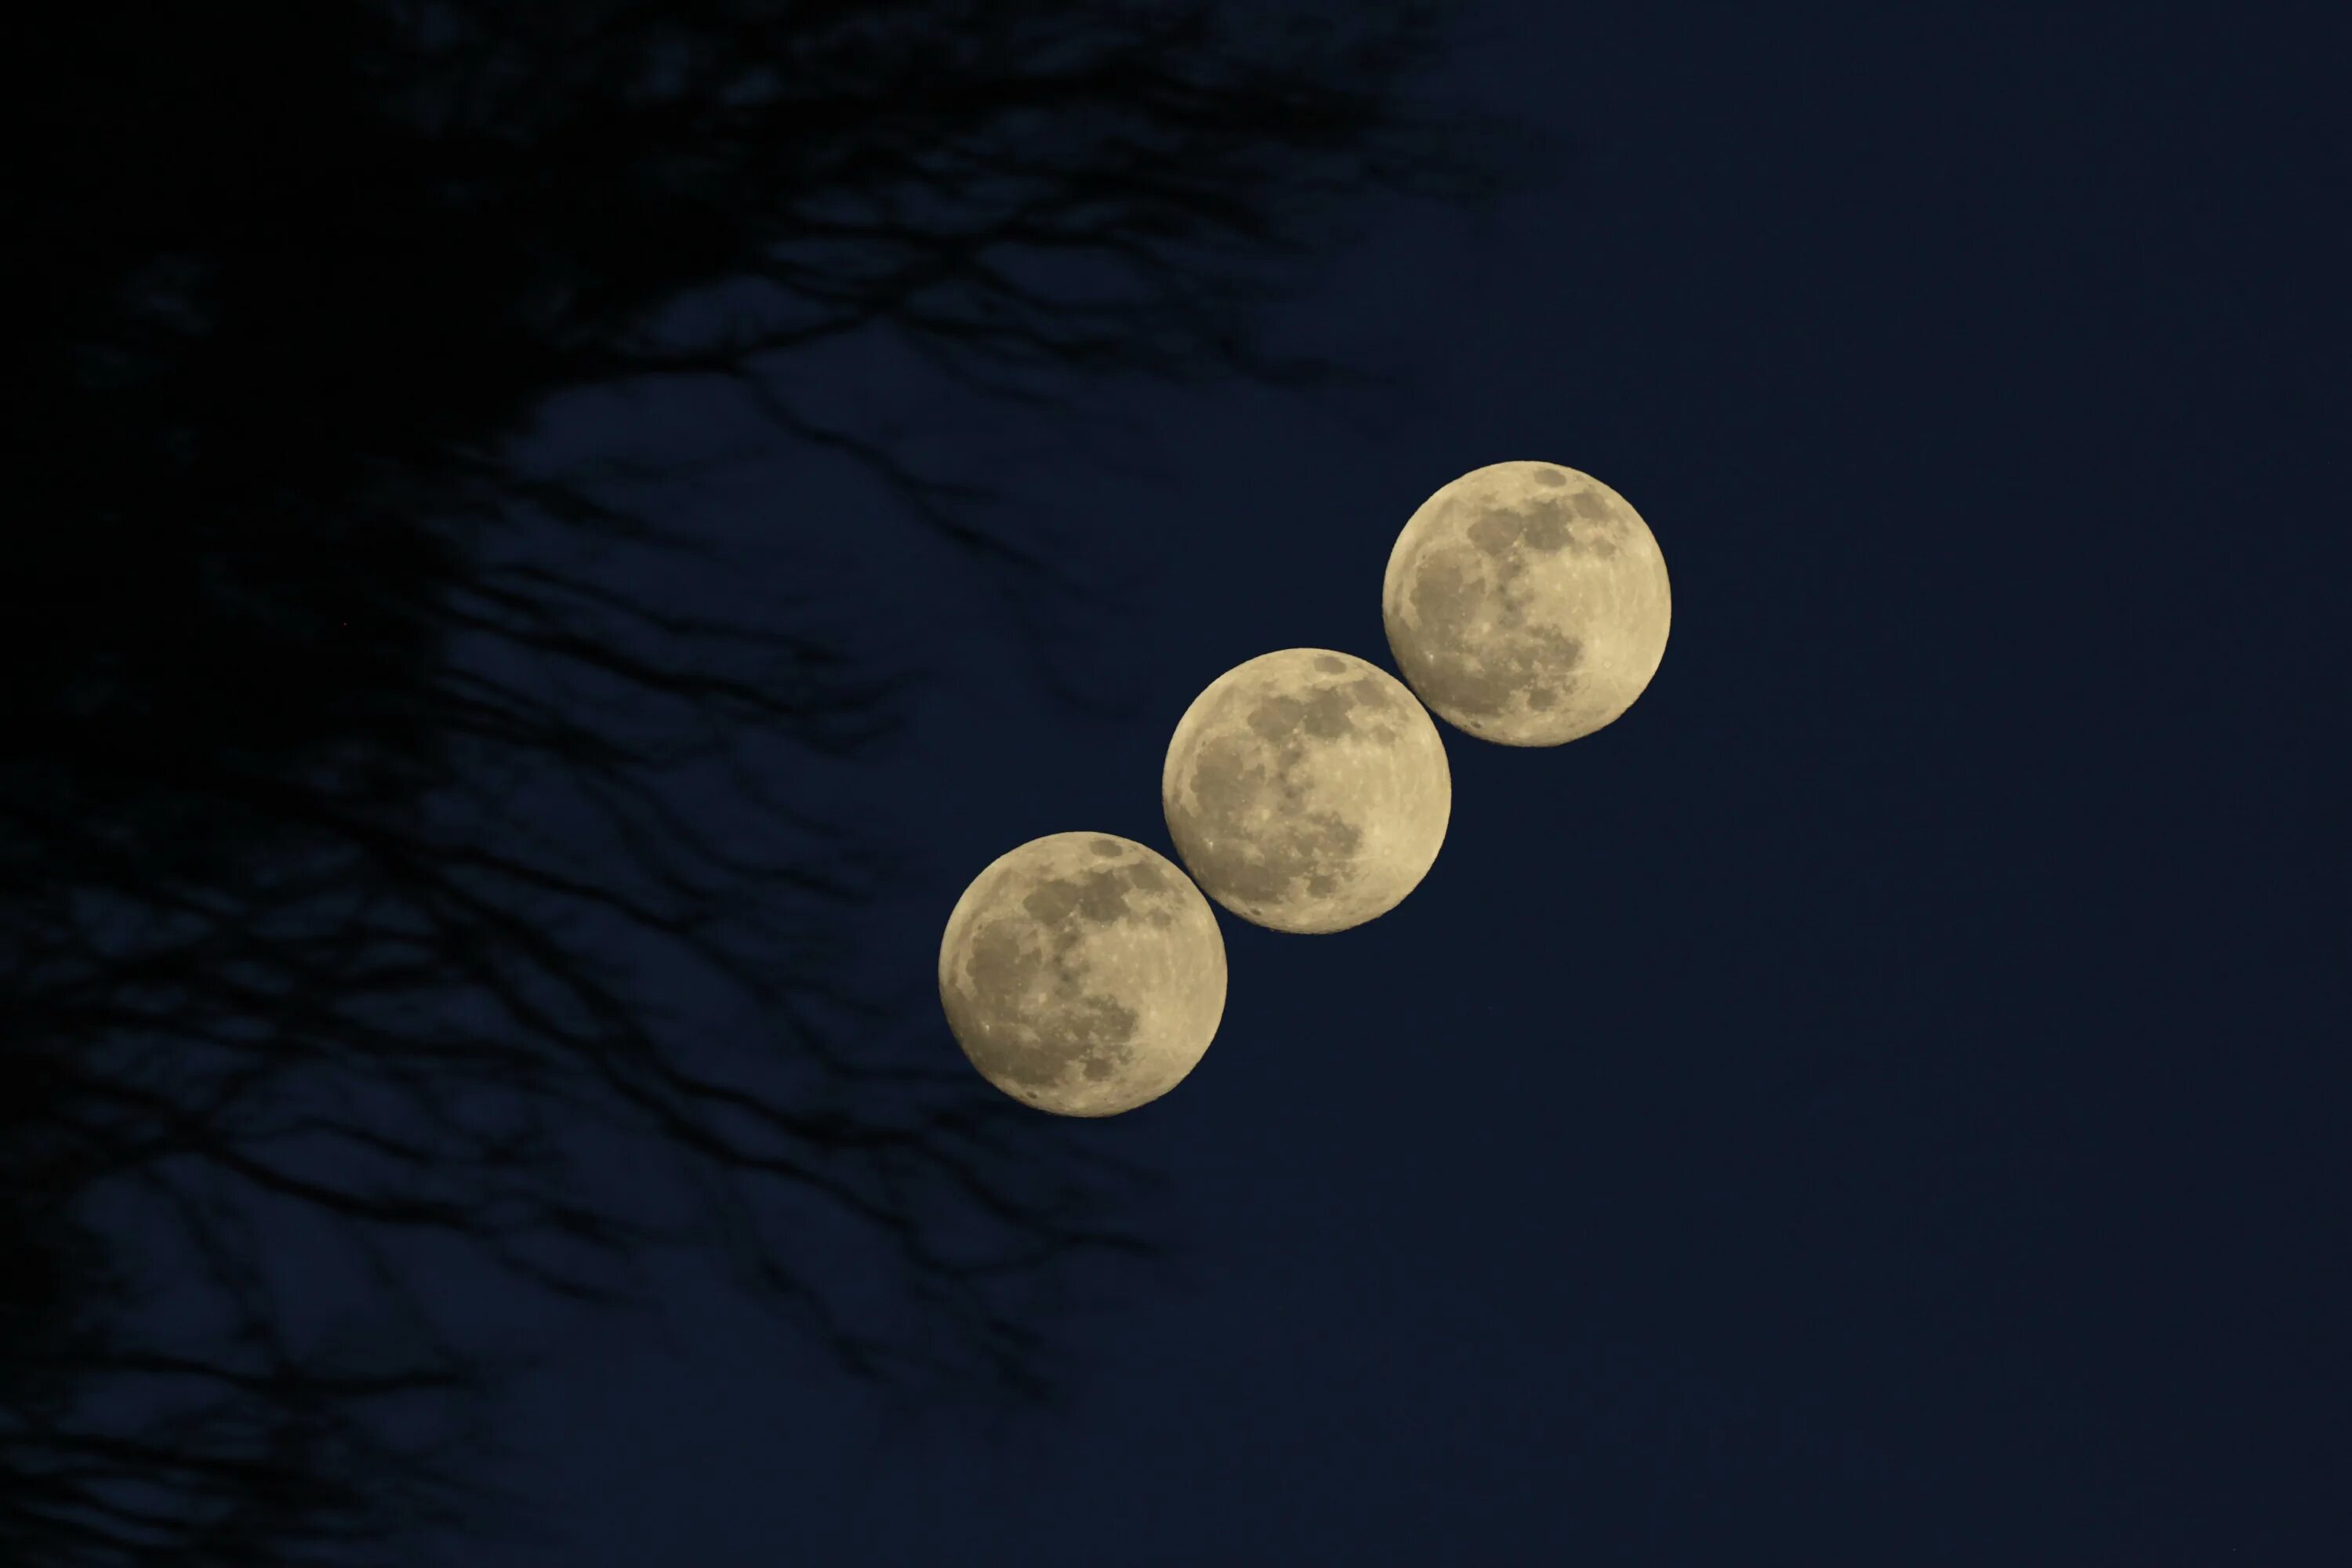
column 344, row 757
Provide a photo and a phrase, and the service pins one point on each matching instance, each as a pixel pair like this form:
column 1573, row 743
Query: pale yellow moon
column 1307, row 790
column 1526, row 604
column 1082, row 973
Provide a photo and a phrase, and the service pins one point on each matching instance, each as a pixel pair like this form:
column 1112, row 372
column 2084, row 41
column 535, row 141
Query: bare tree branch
column 343, row 751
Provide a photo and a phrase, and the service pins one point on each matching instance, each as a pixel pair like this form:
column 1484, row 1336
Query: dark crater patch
column 1252, row 839
column 1072, row 1028
column 1097, row 897
column 1481, row 676
column 1322, row 714
column 1313, row 847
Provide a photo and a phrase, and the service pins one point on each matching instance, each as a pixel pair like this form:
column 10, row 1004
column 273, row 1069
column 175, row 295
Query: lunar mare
column 1307, row 790
column 1082, row 973
column 1526, row 604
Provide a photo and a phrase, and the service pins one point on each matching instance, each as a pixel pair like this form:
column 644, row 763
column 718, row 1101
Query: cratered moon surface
column 1526, row 604
column 1082, row 973
column 1307, row 790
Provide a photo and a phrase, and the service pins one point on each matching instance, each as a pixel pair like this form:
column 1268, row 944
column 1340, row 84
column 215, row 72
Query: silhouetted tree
column 337, row 782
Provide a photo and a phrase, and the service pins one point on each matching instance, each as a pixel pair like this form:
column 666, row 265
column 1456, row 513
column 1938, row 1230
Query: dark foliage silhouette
column 339, row 756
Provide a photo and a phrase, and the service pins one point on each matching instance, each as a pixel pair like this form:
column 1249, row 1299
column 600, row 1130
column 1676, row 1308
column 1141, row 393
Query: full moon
column 1082, row 973
column 1526, row 604
column 1307, row 790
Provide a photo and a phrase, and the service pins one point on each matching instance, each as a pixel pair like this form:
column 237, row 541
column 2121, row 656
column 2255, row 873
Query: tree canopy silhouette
column 336, row 791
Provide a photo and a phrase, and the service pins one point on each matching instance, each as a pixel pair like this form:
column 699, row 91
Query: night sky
column 1878, row 1102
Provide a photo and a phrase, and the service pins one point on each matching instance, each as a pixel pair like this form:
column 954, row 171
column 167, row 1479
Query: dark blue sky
column 1872, row 1104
